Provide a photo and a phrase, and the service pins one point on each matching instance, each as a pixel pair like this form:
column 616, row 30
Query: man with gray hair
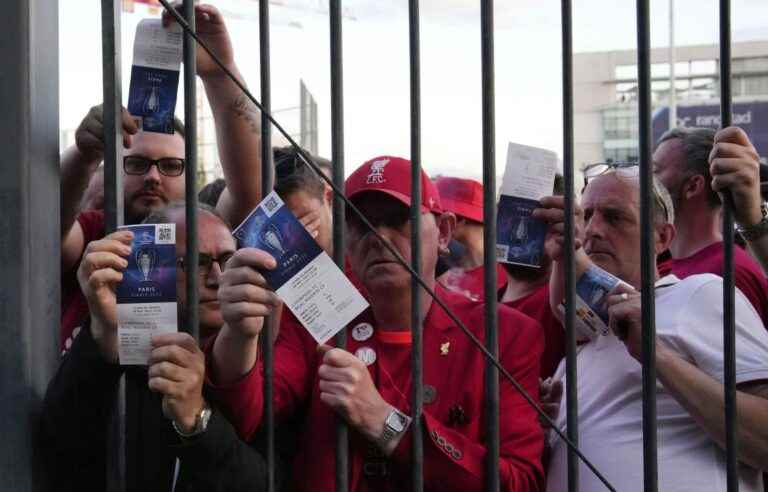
column 682, row 163
column 688, row 354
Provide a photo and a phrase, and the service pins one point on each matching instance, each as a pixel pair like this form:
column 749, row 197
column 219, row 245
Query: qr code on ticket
column 271, row 204
column 165, row 234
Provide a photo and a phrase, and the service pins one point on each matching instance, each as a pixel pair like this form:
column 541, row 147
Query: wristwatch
column 201, row 423
column 756, row 231
column 396, row 424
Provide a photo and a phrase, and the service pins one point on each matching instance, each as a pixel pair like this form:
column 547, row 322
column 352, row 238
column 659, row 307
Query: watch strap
column 201, row 424
column 755, row 231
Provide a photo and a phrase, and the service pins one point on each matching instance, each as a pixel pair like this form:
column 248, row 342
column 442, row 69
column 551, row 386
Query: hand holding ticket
column 146, row 297
column 529, row 176
column 305, row 278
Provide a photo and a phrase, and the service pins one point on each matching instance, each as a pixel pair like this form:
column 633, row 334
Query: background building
column 605, row 103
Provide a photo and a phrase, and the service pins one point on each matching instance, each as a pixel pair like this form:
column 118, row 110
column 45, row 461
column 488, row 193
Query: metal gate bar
column 113, row 211
column 729, row 294
column 337, row 157
column 491, row 396
column 648, row 259
column 571, row 397
column 190, row 173
column 267, row 346
column 417, row 395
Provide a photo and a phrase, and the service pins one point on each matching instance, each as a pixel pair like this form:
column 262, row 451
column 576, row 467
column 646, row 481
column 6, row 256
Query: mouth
column 149, row 195
column 379, row 262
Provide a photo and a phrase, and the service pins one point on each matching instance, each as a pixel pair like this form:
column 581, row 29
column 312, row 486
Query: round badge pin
column 430, row 394
column 366, row 354
column 362, row 332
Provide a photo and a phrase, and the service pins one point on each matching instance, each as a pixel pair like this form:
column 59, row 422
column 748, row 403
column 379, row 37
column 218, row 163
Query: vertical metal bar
column 337, row 156
column 648, row 261
column 113, row 213
column 29, row 233
column 190, row 171
column 729, row 331
column 417, row 395
column 113, row 139
column 489, row 246
column 572, row 403
column 266, row 188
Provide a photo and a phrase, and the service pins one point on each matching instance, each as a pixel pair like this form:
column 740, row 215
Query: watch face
column 396, row 422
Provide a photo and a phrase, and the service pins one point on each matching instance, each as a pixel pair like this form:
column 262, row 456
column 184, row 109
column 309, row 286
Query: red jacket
column 453, row 448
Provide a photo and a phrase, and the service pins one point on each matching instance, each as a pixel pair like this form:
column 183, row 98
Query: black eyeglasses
column 139, row 166
column 205, row 262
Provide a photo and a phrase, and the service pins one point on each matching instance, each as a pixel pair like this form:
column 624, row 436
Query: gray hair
column 697, row 145
column 165, row 214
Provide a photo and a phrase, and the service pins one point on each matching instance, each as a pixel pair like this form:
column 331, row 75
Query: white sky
column 376, row 69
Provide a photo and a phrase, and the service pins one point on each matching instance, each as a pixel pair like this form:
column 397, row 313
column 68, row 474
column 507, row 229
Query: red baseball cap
column 392, row 175
column 463, row 197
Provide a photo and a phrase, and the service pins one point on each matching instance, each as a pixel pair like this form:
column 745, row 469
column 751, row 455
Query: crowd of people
column 195, row 415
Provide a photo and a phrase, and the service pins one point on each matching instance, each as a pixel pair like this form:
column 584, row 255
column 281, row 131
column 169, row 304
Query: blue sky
column 376, row 71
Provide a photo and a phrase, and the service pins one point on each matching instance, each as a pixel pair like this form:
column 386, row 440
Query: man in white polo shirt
column 689, row 357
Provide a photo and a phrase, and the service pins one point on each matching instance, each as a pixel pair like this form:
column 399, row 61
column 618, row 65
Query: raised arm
column 238, row 121
column 78, row 164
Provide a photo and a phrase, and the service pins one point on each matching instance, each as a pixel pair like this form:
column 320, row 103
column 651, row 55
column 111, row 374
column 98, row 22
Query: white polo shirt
column 689, row 319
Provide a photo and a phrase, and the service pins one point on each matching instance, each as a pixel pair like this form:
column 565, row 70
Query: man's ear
column 664, row 235
column 446, row 224
column 693, row 186
column 328, row 195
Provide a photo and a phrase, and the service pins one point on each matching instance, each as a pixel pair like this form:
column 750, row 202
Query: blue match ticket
column 592, row 291
column 157, row 53
column 529, row 176
column 306, row 279
column 146, row 297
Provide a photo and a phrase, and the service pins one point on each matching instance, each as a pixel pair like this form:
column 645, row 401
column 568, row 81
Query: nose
column 213, row 276
column 152, row 175
column 593, row 228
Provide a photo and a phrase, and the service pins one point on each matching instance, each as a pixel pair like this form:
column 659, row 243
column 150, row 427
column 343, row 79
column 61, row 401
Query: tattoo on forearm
column 244, row 108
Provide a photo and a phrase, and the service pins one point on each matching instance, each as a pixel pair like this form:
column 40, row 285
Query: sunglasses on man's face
column 625, row 170
column 139, row 166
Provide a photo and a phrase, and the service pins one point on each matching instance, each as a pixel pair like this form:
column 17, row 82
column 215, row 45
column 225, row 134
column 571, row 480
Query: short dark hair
column 292, row 174
column 210, row 193
column 164, row 215
column 697, row 145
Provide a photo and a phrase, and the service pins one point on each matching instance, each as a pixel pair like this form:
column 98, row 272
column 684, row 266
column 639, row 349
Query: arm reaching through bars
column 245, row 300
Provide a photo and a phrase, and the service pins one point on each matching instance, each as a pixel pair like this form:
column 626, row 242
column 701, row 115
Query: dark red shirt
column 748, row 276
column 74, row 308
column 536, row 305
column 454, row 451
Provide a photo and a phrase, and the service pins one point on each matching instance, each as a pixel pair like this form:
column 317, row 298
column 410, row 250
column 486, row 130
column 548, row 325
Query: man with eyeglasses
column 368, row 384
column 688, row 353
column 682, row 161
column 179, row 441
column 153, row 166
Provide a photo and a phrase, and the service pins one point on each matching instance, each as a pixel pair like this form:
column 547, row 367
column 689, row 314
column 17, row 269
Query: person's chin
column 605, row 261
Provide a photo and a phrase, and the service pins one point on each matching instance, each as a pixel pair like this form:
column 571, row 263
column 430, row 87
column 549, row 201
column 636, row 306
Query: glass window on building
column 750, row 86
column 756, row 64
column 625, row 154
